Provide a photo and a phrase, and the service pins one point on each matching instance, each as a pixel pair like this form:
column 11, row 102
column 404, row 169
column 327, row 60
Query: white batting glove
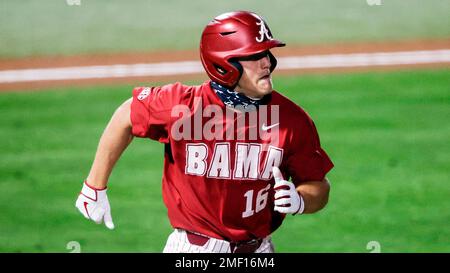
column 287, row 198
column 94, row 205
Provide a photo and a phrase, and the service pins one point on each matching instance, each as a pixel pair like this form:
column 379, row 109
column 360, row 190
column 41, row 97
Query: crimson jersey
column 218, row 162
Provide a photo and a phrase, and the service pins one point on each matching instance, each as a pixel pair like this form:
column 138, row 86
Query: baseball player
column 239, row 156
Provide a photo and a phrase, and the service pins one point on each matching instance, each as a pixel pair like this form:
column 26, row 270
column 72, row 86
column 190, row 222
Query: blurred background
column 385, row 126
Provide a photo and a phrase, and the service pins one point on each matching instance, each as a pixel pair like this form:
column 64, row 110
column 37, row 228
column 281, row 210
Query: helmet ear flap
column 220, row 69
column 227, row 74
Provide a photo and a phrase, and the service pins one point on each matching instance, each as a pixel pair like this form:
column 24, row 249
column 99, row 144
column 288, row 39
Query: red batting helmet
column 231, row 36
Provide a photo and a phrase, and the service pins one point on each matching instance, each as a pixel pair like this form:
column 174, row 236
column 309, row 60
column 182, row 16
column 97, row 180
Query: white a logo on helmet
column 263, row 31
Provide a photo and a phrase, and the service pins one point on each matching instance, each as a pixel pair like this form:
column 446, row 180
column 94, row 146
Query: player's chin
column 265, row 86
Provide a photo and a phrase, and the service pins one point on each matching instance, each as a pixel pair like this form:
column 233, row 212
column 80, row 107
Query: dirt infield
column 172, row 56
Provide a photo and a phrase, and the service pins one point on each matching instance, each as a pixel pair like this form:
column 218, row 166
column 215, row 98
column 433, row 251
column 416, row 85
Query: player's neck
column 233, row 98
column 253, row 93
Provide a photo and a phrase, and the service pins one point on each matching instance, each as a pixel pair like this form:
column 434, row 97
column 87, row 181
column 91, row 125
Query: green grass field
column 387, row 134
column 47, row 27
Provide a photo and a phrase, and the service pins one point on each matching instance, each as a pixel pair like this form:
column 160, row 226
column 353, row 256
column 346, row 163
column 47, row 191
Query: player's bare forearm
column 315, row 194
column 114, row 140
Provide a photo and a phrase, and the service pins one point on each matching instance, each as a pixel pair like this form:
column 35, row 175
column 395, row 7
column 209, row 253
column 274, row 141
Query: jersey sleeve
column 151, row 111
column 307, row 161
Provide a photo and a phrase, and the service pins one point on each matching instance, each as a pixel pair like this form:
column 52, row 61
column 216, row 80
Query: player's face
column 256, row 80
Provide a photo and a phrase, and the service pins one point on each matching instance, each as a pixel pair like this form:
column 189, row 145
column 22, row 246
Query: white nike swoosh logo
column 265, row 128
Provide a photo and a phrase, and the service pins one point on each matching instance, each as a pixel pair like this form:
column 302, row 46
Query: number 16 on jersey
column 260, row 204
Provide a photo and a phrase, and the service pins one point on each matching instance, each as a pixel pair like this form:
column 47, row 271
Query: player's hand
column 287, row 198
column 94, row 205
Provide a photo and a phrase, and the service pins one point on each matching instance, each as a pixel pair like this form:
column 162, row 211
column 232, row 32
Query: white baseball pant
column 178, row 242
